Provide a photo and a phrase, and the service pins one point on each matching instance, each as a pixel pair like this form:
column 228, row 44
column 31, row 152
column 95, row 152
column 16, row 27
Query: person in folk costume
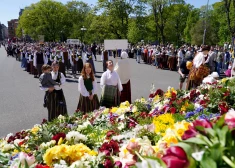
column 87, row 86
column 171, row 62
column 66, row 58
column 145, row 54
column 53, row 55
column 28, row 64
column 60, row 58
column 24, row 58
column 104, row 59
column 39, row 60
column 80, row 60
column 89, row 57
column 111, row 87
column 123, row 69
column 30, row 55
column 55, row 104
column 199, row 69
column 73, row 61
column 48, row 56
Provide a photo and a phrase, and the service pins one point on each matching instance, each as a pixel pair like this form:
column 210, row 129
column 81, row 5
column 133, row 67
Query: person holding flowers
column 55, row 103
column 111, row 87
column 87, row 87
column 199, row 69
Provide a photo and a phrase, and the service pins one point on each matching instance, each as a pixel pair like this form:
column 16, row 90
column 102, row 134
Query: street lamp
column 204, row 34
column 83, row 29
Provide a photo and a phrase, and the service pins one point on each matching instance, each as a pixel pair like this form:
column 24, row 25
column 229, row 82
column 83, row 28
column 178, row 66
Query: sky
column 9, row 9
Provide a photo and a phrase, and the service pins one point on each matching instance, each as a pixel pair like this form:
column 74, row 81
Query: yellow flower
column 35, row 129
column 106, row 111
column 155, row 148
column 60, row 141
column 142, row 100
column 156, row 98
column 163, row 122
column 224, row 80
column 125, row 104
column 114, row 109
column 134, row 109
column 183, row 108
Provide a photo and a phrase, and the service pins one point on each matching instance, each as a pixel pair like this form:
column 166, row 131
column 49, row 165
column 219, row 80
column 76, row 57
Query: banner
column 73, row 41
column 116, row 44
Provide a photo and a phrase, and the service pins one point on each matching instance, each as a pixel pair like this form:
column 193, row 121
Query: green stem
column 228, row 161
column 139, row 156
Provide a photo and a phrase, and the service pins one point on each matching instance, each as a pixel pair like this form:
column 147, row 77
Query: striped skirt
column 126, row 92
column 110, row 96
column 86, row 105
column 54, row 108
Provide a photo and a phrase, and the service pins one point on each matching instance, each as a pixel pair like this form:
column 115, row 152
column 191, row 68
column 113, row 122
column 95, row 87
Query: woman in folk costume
column 171, row 62
column 87, row 87
column 104, row 59
column 60, row 58
column 30, row 55
column 73, row 61
column 80, row 60
column 199, row 69
column 123, row 69
column 24, row 58
column 53, row 102
column 28, row 64
column 48, row 56
column 89, row 57
column 111, row 87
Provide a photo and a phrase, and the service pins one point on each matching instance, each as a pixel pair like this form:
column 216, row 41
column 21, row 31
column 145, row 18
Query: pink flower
column 175, row 157
column 25, row 157
column 118, row 164
column 230, row 118
column 132, row 147
column 191, row 132
column 108, row 163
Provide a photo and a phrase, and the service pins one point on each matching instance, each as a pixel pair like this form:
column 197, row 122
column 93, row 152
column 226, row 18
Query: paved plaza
column 21, row 99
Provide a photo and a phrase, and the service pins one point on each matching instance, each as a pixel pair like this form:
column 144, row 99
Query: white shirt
column 123, row 69
column 82, row 89
column 35, row 59
column 54, row 76
column 58, row 57
column 111, row 78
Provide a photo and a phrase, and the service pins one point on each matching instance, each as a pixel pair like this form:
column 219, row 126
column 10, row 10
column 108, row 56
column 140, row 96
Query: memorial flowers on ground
column 172, row 129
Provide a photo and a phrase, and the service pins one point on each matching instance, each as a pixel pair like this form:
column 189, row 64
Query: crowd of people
column 50, row 62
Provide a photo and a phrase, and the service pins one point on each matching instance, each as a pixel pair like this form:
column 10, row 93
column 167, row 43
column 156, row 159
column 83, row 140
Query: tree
column 46, row 17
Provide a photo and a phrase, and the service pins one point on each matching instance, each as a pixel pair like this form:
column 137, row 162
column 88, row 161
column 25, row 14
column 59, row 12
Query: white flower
column 148, row 163
column 8, row 136
column 121, row 126
column 230, row 114
column 166, row 101
column 201, row 97
column 76, row 136
column 7, row 147
column 17, row 141
column 198, row 155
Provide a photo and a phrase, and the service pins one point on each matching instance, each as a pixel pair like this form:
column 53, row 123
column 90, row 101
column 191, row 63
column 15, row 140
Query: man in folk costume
column 39, row 60
column 123, row 69
column 73, row 61
column 89, row 57
column 60, row 58
column 104, row 59
column 80, row 60
column 111, row 87
column 48, row 56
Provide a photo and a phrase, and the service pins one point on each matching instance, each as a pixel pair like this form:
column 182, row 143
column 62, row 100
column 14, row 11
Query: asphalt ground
column 21, row 100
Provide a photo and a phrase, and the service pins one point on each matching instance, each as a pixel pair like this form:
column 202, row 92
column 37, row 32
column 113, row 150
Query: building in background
column 12, row 26
column 4, row 31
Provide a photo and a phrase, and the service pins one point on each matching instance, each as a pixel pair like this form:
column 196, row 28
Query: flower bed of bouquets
column 175, row 129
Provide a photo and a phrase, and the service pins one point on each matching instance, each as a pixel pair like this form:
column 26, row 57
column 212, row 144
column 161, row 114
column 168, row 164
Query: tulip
column 175, row 157
column 132, row 147
column 202, row 123
column 191, row 132
column 118, row 164
column 230, row 119
column 108, row 163
column 23, row 157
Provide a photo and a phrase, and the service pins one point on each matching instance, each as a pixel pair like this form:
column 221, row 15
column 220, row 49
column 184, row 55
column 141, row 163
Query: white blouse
column 82, row 89
column 111, row 78
column 54, row 76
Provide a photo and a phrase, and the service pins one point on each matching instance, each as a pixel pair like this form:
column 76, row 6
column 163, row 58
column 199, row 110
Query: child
column 228, row 72
column 47, row 82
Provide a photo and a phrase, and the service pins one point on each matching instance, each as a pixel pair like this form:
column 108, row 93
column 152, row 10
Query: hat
column 215, row 74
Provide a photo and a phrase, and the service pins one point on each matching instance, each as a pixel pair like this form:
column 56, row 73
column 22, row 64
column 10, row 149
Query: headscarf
column 199, row 60
column 123, row 68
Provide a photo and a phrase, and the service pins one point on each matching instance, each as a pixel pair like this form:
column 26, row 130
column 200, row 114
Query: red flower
column 132, row 147
column 191, row 132
column 110, row 133
column 44, row 121
column 111, row 147
column 226, row 94
column 175, row 157
column 202, row 123
column 118, row 164
column 58, row 136
column 159, row 92
column 108, row 163
column 151, row 96
column 173, row 110
column 223, row 106
column 42, row 166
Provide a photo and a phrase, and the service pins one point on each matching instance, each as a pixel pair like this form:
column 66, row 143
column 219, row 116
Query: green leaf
column 196, row 141
column 220, row 122
column 26, row 164
column 208, row 163
column 222, row 135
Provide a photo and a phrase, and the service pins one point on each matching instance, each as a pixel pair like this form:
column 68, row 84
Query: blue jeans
column 218, row 67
